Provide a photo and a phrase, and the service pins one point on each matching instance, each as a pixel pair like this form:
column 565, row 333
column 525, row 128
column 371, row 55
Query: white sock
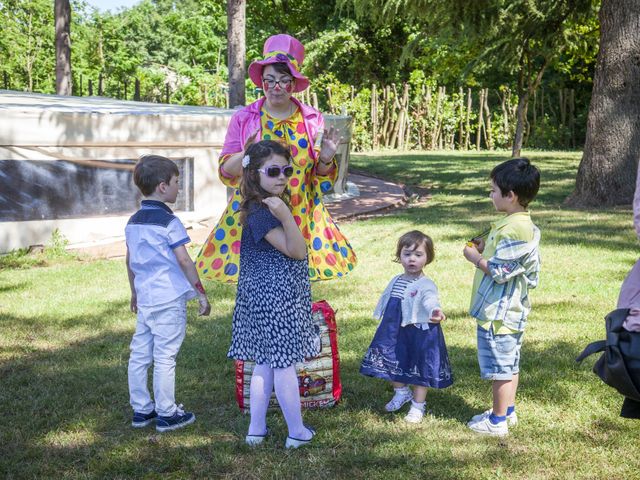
column 260, row 393
column 404, row 389
column 288, row 394
column 418, row 406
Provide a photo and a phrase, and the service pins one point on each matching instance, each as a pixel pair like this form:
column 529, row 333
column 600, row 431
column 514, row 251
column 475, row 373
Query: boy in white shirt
column 162, row 278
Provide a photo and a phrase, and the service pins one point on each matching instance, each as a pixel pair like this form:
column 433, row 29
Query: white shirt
column 151, row 235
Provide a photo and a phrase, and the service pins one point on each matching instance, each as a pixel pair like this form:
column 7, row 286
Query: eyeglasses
column 275, row 171
column 283, row 83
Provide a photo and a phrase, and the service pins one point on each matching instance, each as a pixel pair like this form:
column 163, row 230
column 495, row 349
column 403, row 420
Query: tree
column 62, row 17
column 607, row 171
column 519, row 38
column 236, row 16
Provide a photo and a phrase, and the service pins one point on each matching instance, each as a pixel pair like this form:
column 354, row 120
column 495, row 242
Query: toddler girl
column 272, row 323
column 408, row 347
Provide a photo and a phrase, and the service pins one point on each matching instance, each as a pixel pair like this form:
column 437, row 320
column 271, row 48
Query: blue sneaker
column 178, row 420
column 141, row 420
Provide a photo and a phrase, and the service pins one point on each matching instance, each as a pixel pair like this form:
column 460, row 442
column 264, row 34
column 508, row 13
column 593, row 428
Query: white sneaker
column 512, row 419
column 399, row 399
column 485, row 427
column 414, row 416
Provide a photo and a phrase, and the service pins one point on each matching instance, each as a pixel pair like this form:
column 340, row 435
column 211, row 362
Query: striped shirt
column 400, row 285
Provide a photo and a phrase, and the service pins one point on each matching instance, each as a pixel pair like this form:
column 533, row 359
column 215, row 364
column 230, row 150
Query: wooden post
column 374, row 117
column 505, row 113
column 166, row 93
column 136, row 91
column 535, row 114
column 81, row 86
column 314, row 99
column 480, row 119
column 205, row 94
column 386, row 114
column 487, row 123
column 90, row 88
column 460, row 117
column 467, row 133
column 572, row 108
column 563, row 107
column 100, row 85
column 435, row 134
column 393, row 132
column 330, row 100
column 403, row 117
column 126, row 84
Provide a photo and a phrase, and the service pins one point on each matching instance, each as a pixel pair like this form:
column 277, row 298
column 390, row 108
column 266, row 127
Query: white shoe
column 414, row 416
column 399, row 399
column 253, row 440
column 297, row 442
column 512, row 419
column 485, row 427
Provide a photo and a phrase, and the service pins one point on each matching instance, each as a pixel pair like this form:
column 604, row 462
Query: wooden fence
column 399, row 117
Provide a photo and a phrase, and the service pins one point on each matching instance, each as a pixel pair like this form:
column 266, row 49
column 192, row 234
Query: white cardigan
column 419, row 301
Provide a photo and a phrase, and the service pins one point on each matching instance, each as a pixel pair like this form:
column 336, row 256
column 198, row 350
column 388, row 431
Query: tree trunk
column 62, row 15
column 607, row 171
column 236, row 16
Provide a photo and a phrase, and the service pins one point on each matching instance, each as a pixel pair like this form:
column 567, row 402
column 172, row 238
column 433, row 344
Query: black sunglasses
column 274, row 171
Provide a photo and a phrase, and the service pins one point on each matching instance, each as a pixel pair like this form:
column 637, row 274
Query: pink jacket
column 630, row 291
column 247, row 120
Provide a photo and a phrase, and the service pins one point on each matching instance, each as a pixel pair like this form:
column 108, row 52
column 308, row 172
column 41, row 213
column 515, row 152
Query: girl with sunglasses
column 280, row 116
column 272, row 323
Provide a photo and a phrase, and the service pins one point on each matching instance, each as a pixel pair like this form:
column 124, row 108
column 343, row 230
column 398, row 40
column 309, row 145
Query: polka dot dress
column 272, row 317
column 330, row 254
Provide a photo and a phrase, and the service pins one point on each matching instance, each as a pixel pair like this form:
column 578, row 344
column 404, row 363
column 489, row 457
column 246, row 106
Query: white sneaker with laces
column 485, row 427
column 512, row 419
column 415, row 415
column 399, row 399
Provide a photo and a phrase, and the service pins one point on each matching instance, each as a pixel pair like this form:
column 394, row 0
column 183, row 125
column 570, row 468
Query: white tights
column 286, row 384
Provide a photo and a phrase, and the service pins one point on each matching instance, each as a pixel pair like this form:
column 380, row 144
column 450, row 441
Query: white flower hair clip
column 245, row 161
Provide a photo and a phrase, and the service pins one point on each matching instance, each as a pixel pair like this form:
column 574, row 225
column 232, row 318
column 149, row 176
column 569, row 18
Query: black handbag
column 619, row 364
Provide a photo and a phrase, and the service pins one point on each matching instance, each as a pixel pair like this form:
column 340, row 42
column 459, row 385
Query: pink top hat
column 281, row 49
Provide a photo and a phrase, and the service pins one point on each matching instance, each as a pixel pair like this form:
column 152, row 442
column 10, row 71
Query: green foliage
column 55, row 251
column 27, row 49
column 350, row 45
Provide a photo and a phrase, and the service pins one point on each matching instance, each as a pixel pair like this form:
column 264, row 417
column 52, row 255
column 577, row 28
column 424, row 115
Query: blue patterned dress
column 272, row 317
column 409, row 354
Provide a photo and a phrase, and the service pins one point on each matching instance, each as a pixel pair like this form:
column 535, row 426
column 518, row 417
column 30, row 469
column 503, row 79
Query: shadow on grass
column 70, row 414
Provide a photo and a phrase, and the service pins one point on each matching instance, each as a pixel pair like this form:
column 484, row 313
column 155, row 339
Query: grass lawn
column 65, row 330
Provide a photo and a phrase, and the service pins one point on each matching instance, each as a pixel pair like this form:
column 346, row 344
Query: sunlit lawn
column 65, row 331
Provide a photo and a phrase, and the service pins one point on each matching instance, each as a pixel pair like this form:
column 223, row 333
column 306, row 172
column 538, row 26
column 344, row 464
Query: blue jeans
column 159, row 333
column 498, row 355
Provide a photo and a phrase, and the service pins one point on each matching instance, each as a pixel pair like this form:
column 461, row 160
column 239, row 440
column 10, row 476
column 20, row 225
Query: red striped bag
column 318, row 377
